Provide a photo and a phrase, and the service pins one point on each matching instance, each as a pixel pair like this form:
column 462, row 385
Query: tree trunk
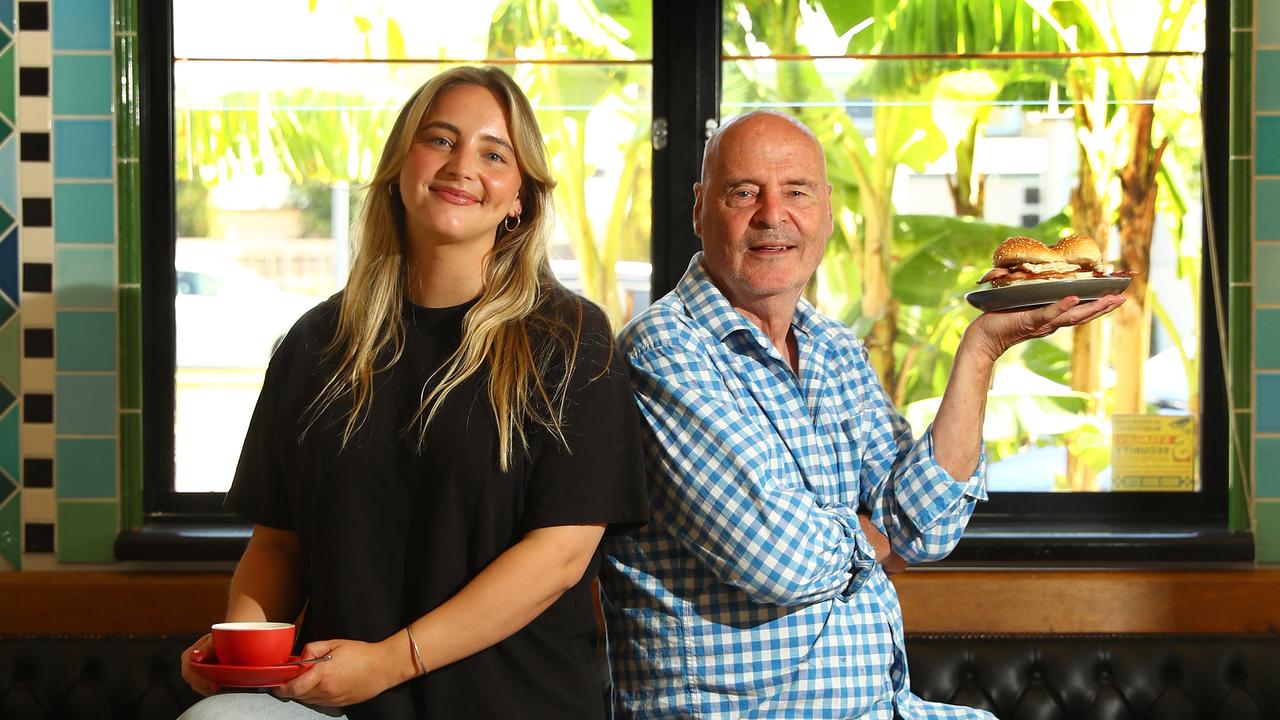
column 876, row 293
column 961, row 184
column 1137, row 225
column 1088, row 218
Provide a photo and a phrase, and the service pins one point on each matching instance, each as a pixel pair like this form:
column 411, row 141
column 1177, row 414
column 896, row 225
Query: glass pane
column 270, row 157
column 934, row 159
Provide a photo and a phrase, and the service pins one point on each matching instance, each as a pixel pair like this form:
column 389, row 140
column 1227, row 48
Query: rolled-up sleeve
column 713, row 486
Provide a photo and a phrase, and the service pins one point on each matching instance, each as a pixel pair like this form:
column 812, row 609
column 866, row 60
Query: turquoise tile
column 7, row 17
column 1267, row 158
column 84, row 212
column 86, row 404
column 87, row 531
column 1267, row 22
column 81, row 24
column 85, row 340
column 1267, row 403
column 1267, row 513
column 11, row 531
column 1267, row 289
column 9, row 458
column 9, row 175
column 1268, row 464
column 1267, row 344
column 82, row 84
column 85, row 468
column 82, row 149
column 1266, row 219
column 1267, row 64
column 84, row 277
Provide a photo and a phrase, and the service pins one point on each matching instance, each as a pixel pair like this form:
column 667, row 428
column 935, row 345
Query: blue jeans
column 250, row 704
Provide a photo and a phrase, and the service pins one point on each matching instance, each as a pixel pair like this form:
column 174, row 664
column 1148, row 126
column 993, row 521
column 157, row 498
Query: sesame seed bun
column 1018, row 250
column 1079, row 250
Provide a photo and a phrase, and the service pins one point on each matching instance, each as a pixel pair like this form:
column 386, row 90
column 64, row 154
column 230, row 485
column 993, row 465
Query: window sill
column 1006, row 544
column 989, row 544
column 183, row 541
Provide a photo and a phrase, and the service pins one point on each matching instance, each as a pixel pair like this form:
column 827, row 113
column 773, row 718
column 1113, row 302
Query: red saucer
column 240, row 676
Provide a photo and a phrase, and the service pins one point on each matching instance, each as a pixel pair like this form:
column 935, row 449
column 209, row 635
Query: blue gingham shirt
column 753, row 591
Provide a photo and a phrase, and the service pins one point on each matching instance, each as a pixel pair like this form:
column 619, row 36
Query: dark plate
column 1032, row 294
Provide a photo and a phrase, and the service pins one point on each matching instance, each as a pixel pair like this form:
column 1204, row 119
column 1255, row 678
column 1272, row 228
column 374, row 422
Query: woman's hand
column 200, row 649
column 994, row 333
column 356, row 672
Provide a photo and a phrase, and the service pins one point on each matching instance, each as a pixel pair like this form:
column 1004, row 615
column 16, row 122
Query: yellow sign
column 1153, row 452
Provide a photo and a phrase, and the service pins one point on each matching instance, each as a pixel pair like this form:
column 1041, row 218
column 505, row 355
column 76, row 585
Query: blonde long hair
column 501, row 334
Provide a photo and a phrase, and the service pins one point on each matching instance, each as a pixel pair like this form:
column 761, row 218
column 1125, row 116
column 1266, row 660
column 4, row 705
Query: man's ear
column 697, row 209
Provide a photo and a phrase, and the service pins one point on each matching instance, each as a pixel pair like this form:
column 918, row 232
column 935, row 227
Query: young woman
column 438, row 449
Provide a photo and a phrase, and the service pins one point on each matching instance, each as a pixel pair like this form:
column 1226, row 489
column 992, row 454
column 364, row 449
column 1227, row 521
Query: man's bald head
column 764, row 122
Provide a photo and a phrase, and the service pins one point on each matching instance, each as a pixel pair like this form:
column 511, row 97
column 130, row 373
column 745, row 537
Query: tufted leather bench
column 1018, row 677
column 92, row 677
column 1099, row 677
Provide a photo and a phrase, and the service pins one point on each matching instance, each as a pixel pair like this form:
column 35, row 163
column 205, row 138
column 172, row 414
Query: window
column 273, row 135
column 943, row 137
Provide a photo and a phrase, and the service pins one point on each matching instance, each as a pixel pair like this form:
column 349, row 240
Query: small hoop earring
column 391, row 189
column 506, row 223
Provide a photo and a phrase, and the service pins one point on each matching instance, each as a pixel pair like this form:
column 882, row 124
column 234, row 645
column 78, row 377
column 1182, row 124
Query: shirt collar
column 707, row 305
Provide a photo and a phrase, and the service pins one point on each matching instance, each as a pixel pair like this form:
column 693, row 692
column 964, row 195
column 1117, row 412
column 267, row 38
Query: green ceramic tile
column 87, row 531
column 85, row 467
column 1240, row 139
column 130, row 348
column 1239, row 192
column 1242, row 13
column 84, row 212
column 85, row 340
column 1266, row 222
column 10, row 460
column 11, row 531
column 1267, row 157
column 131, row 468
column 1268, row 537
column 6, row 85
column 83, row 84
column 85, row 404
column 10, row 356
column 1237, row 513
column 1268, row 402
column 1239, row 340
column 1267, row 347
column 1267, row 24
column 126, row 16
column 84, row 277
column 1267, row 267
column 126, row 96
column 129, row 235
column 1268, row 479
column 1267, row 64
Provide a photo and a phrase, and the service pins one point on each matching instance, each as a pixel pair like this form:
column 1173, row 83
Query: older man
column 782, row 480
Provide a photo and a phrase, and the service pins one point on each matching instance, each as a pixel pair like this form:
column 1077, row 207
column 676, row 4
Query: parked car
column 229, row 316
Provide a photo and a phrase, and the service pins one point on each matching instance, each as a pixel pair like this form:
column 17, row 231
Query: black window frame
column 1036, row 528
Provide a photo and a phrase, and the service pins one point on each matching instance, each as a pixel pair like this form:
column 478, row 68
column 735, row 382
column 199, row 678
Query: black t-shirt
column 390, row 531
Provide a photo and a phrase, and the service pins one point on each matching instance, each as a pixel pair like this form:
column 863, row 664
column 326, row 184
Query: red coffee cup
column 252, row 644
